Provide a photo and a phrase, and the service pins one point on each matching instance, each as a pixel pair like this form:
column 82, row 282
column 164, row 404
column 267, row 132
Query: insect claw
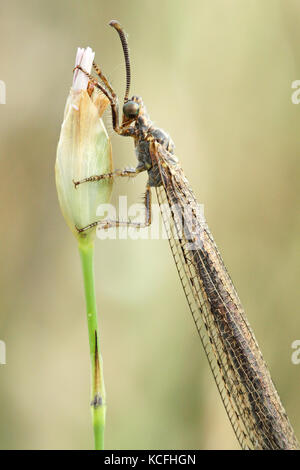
column 78, row 67
column 76, row 183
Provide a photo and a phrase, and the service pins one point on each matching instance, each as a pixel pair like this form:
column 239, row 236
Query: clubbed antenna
column 115, row 24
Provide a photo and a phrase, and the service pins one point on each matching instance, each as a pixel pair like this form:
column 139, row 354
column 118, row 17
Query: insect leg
column 111, row 96
column 129, row 172
column 105, row 224
column 104, row 80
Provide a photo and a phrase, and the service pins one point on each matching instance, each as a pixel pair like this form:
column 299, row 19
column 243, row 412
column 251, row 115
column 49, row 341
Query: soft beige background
column 217, row 75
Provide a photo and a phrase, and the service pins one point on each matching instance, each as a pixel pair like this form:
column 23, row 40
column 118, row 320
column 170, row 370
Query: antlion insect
column 242, row 377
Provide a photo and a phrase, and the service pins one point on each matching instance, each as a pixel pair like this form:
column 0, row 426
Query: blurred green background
column 217, row 76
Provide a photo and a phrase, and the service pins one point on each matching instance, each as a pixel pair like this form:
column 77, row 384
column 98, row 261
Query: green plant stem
column 98, row 407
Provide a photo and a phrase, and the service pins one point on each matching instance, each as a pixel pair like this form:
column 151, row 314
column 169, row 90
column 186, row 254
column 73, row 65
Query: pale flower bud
column 83, row 150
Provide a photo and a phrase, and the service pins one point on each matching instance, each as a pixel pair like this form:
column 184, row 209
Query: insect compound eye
column 131, row 109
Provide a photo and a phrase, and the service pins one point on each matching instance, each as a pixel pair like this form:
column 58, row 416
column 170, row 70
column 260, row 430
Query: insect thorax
column 146, row 133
